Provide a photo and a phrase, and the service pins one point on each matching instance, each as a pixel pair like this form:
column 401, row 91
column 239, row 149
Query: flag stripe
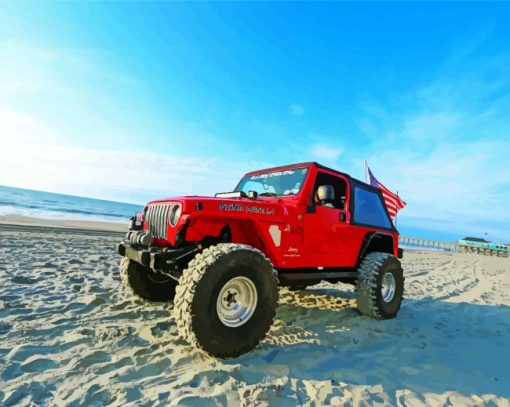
column 390, row 198
column 392, row 201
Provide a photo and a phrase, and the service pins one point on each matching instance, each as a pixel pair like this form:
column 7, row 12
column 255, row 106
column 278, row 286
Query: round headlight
column 175, row 214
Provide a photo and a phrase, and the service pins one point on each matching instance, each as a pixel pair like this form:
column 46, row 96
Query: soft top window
column 369, row 209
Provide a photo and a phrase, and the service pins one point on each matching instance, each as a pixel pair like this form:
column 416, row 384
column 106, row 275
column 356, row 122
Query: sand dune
column 71, row 335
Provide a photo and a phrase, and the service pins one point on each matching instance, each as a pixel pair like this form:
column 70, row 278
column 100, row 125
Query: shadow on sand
column 432, row 346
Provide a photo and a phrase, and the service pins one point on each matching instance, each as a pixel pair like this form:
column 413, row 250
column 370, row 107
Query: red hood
column 242, row 207
column 199, row 198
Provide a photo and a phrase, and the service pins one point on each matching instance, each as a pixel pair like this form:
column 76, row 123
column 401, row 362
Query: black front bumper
column 158, row 258
column 142, row 256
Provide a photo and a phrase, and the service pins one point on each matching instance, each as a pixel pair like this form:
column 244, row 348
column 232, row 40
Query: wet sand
column 71, row 335
column 27, row 221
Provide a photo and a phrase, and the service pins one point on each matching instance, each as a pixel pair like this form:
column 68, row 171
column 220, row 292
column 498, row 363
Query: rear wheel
column 146, row 284
column 226, row 299
column 380, row 285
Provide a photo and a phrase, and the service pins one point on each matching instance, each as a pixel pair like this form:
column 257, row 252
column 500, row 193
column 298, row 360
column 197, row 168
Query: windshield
column 275, row 183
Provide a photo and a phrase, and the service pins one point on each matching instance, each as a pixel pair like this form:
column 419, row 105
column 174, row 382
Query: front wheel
column 226, row 299
column 380, row 286
column 144, row 283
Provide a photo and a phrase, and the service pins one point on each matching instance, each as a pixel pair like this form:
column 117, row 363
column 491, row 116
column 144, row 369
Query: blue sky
column 132, row 101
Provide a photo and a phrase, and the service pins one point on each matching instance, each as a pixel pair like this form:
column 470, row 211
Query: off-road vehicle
column 221, row 259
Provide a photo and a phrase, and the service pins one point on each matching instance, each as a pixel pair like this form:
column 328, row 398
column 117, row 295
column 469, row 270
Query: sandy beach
column 71, row 335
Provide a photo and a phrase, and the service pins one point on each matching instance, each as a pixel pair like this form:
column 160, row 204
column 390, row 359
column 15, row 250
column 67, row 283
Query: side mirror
column 326, row 193
column 252, row 194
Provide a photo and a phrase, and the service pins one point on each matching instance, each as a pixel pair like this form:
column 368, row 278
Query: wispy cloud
column 37, row 160
column 322, row 151
column 448, row 153
column 297, row 110
column 29, row 68
column 64, row 132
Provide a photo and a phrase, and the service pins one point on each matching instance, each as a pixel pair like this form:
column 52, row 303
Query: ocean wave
column 15, row 201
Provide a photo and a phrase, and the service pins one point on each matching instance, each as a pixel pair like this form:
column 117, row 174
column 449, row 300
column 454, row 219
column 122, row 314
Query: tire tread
column 185, row 291
column 366, row 285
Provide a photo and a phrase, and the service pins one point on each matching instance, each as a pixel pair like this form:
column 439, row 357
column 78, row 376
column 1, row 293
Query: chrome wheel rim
column 388, row 287
column 236, row 302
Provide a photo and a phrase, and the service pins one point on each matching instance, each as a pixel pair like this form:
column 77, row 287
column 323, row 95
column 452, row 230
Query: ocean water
column 47, row 205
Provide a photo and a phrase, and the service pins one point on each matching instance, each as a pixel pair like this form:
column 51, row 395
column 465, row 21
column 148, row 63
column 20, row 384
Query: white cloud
column 430, row 127
column 322, row 151
column 20, row 129
column 297, row 110
column 448, row 154
column 450, row 181
column 50, row 124
column 28, row 69
column 34, row 159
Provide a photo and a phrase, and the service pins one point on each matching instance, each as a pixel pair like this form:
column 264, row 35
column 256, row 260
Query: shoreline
column 27, row 222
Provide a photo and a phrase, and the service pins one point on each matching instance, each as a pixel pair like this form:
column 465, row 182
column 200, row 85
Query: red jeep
column 221, row 259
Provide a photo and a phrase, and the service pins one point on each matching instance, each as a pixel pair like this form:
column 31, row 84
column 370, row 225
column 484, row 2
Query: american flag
column 393, row 201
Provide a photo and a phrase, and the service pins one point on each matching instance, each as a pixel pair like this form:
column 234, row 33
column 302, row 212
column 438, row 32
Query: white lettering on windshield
column 272, row 174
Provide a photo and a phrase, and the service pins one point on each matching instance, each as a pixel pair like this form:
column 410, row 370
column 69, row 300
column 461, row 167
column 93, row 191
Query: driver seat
column 325, row 196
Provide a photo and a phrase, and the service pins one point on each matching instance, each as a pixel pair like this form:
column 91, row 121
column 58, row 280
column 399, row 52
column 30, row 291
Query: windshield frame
column 275, row 170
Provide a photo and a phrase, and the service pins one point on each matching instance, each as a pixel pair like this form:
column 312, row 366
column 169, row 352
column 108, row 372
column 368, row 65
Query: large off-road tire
column 226, row 299
column 380, row 285
column 146, row 284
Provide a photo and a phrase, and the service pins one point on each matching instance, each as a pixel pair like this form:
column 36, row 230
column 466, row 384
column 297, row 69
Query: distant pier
column 428, row 244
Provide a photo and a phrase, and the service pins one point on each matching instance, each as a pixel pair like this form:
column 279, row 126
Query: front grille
column 157, row 216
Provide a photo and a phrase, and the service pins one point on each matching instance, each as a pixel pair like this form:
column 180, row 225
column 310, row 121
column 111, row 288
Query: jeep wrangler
column 220, row 259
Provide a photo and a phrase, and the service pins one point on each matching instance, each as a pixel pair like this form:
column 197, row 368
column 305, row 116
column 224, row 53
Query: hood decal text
column 248, row 209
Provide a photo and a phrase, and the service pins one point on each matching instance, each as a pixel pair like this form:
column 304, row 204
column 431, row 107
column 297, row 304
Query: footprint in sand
column 39, row 365
column 92, row 359
column 24, row 280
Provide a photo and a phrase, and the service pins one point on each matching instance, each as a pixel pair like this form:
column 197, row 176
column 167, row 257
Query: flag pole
column 396, row 214
column 366, row 166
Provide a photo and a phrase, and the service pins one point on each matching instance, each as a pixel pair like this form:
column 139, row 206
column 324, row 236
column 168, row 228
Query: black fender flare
column 369, row 237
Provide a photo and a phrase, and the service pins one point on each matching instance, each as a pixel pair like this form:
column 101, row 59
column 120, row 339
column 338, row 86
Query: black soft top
column 281, row 167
